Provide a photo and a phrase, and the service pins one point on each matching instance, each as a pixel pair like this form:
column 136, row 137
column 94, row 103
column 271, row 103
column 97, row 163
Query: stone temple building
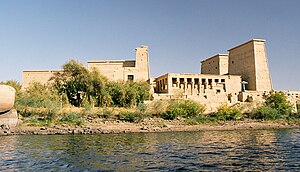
column 241, row 75
column 115, row 70
column 124, row 70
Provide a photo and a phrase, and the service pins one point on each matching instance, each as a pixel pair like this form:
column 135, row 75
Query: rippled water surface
column 195, row 151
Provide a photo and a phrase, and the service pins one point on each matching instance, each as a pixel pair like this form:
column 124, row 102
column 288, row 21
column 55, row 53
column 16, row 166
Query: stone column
column 185, row 85
column 193, row 87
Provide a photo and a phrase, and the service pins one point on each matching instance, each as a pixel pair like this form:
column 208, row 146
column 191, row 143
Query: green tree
column 96, row 88
column 73, row 81
column 117, row 93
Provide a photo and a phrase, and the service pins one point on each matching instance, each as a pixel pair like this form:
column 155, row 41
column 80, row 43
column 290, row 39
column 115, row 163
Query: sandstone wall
column 40, row 76
column 250, row 61
column 123, row 70
column 217, row 65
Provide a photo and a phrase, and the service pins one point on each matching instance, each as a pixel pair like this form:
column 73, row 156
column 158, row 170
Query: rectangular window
column 130, row 77
column 216, row 80
column 222, row 80
column 174, row 80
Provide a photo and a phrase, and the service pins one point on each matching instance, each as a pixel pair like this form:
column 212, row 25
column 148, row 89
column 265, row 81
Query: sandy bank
column 120, row 127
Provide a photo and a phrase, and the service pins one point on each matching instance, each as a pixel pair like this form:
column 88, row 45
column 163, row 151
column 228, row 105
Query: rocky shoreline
column 116, row 127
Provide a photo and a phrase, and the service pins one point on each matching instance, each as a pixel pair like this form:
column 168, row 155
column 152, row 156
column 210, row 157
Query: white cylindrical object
column 7, row 98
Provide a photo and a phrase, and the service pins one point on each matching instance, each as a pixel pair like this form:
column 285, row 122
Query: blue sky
column 45, row 34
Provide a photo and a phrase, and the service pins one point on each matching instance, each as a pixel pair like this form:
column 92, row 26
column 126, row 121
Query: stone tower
column 142, row 63
column 250, row 61
column 217, row 65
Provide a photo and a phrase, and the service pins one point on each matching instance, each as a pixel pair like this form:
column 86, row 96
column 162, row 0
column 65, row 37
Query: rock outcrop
column 8, row 115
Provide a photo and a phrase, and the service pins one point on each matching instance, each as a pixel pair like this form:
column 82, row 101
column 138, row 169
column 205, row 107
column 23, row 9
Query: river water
column 272, row 150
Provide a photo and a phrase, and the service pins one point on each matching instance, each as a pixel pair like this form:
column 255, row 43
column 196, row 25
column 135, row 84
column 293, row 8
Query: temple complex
column 242, row 75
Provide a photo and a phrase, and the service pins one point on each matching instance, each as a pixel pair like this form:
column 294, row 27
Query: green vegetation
column 72, row 118
column 225, row 113
column 275, row 107
column 200, row 119
column 76, row 96
column 298, row 109
column 183, row 108
column 265, row 113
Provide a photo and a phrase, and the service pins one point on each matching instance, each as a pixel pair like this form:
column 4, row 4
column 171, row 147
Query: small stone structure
column 8, row 116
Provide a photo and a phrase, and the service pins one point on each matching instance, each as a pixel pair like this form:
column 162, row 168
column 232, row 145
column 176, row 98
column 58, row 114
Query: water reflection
column 211, row 150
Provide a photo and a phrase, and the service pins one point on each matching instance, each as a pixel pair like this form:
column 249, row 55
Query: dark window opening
column 217, row 80
column 203, row 81
column 218, row 91
column 181, row 80
column 189, row 80
column 196, row 80
column 232, row 62
column 209, row 81
column 174, row 80
column 222, row 80
column 130, row 77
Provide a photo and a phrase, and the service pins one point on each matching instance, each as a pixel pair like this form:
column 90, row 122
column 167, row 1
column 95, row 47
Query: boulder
column 8, row 116
column 7, row 98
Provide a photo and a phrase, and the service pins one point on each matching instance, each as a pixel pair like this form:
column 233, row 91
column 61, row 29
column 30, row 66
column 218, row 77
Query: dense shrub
column 128, row 94
column 279, row 102
column 276, row 107
column 38, row 100
column 265, row 112
column 183, row 108
column 226, row 112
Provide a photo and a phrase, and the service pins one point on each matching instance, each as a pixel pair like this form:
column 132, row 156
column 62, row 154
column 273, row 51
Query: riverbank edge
column 115, row 128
